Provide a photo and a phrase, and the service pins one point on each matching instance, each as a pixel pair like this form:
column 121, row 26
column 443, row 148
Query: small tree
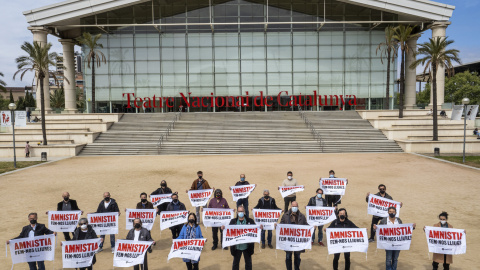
column 57, row 99
column 11, row 97
column 20, row 104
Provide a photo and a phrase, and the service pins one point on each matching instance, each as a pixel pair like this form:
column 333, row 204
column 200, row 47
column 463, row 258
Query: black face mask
column 144, row 200
column 163, row 185
column 382, row 191
column 137, row 226
column 175, row 200
column 66, row 199
column 218, row 196
column 200, row 177
column 107, row 199
column 33, row 221
column 341, row 217
column 266, row 196
column 392, row 215
column 191, row 221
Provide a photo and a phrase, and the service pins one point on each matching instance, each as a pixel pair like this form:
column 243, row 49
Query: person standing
column 317, row 200
column 244, row 201
column 144, row 203
column 333, row 200
column 30, row 231
column 27, row 150
column 108, row 205
column 342, row 222
column 391, row 255
column 218, row 202
column 176, row 205
column 266, row 202
column 199, row 184
column 163, row 189
column 191, row 231
column 382, row 192
column 293, row 216
column 67, row 205
column 29, row 113
column 84, row 232
column 140, row 234
column 290, row 181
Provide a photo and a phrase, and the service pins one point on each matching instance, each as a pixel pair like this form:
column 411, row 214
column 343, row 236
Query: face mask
column 265, row 196
column 175, row 200
column 33, row 221
column 83, row 227
column 138, row 226
column 392, row 215
column 200, row 177
column 341, row 217
column 443, row 222
column 218, row 195
column 163, row 185
column 191, row 221
column 319, row 196
column 242, row 179
column 294, row 209
column 66, row 198
column 332, row 176
column 289, row 177
column 144, row 200
column 107, row 199
column 382, row 191
column 241, row 214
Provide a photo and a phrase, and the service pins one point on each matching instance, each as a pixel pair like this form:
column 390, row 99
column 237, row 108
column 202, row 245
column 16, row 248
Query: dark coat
column 251, row 246
column 40, row 229
column 90, row 235
column 342, row 225
column 262, row 204
column 302, row 220
column 170, row 206
column 313, row 201
column 205, row 184
column 73, row 203
column 158, row 191
column 149, row 205
column 112, row 207
column 385, row 219
column 144, row 235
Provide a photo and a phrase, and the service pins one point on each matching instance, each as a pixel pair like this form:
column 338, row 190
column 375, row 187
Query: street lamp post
column 12, row 108
column 465, row 102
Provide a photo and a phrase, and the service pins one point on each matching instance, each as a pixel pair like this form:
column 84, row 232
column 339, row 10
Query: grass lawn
column 7, row 166
column 473, row 161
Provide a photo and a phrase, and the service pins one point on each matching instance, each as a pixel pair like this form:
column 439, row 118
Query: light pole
column 465, row 102
column 12, row 108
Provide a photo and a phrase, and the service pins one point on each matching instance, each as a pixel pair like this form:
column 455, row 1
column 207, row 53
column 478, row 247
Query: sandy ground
column 425, row 186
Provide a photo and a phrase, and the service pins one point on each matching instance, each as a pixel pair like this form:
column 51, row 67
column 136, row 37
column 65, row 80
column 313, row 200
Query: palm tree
column 93, row 55
column 38, row 59
column 3, row 84
column 388, row 50
column 57, row 98
column 434, row 55
column 402, row 34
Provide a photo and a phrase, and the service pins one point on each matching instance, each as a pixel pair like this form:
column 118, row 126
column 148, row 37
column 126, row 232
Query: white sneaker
column 113, row 250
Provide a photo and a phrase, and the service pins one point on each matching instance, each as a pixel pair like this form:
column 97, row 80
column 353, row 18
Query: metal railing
column 170, row 127
column 315, row 133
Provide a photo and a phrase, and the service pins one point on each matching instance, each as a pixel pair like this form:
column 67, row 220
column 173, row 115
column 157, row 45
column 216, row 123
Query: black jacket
column 144, row 236
column 40, row 229
column 313, row 201
column 161, row 191
column 112, row 207
column 251, row 246
column 148, row 205
column 341, row 225
column 270, row 204
column 90, row 235
column 73, row 203
column 170, row 206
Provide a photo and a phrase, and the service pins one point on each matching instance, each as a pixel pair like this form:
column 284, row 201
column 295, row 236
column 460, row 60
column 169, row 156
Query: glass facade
column 228, row 50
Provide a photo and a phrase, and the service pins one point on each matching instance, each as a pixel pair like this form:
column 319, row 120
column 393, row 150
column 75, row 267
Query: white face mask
column 289, row 177
column 443, row 222
column 332, row 176
column 83, row 227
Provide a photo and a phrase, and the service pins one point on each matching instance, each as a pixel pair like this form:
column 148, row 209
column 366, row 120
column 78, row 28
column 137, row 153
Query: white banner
column 472, row 111
column 240, row 234
column 457, row 112
column 6, row 118
column 63, row 221
column 189, row 249
column 216, row 217
column 146, row 215
column 318, row 216
column 172, row 218
column 288, row 190
column 291, row 237
column 161, row 199
column 378, row 206
column 446, row 240
column 241, row 192
column 266, row 217
column 39, row 248
column 129, row 253
column 104, row 223
column 333, row 186
column 199, row 197
column 394, row 237
column 20, row 118
column 347, row 240
column 79, row 254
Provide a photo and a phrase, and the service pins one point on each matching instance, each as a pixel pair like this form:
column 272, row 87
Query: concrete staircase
column 240, row 133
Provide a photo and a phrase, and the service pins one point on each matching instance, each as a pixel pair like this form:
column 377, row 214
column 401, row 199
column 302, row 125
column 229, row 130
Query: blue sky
column 464, row 30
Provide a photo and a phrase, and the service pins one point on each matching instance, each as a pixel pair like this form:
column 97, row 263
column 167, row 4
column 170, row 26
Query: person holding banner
column 108, row 205
column 162, row 190
column 243, row 202
column 342, row 222
column 138, row 233
column 266, row 202
column 442, row 258
column 199, row 184
column 144, row 203
column 391, row 255
column 333, row 200
column 30, row 231
column 290, row 181
column 83, row 232
column 218, row 202
column 191, row 231
column 176, row 205
column 317, row 200
column 293, row 216
column 67, row 204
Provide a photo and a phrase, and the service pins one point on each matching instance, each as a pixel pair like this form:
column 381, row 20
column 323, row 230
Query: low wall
column 455, row 147
column 58, row 150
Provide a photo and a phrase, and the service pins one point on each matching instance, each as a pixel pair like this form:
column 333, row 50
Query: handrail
column 315, row 133
column 171, row 125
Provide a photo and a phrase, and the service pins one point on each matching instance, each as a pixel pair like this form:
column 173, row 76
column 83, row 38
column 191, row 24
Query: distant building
column 59, row 72
column 16, row 92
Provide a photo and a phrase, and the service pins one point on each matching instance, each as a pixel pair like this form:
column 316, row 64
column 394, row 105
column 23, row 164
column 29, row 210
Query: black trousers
column 297, row 259
column 192, row 266
column 446, row 266
column 176, row 231
column 86, row 268
column 67, row 236
column 288, row 200
column 143, row 266
column 375, row 221
column 333, row 200
column 215, row 235
column 246, row 256
column 337, row 257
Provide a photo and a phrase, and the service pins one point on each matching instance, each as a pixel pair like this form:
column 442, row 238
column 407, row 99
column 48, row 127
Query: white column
column 410, row 75
column 40, row 35
column 69, row 74
column 439, row 29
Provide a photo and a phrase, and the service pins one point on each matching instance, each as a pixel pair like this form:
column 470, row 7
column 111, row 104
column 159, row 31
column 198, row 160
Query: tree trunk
column 402, row 85
column 435, row 114
column 41, row 76
column 93, row 84
column 386, row 103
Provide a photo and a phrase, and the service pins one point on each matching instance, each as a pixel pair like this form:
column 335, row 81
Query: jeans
column 246, row 256
column 269, row 237
column 176, row 231
column 392, row 259
column 320, row 234
column 192, row 266
column 288, row 200
column 33, row 265
column 143, row 266
column 112, row 240
column 375, row 221
column 337, row 257
column 288, row 259
column 67, row 236
column 215, row 235
column 243, row 202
